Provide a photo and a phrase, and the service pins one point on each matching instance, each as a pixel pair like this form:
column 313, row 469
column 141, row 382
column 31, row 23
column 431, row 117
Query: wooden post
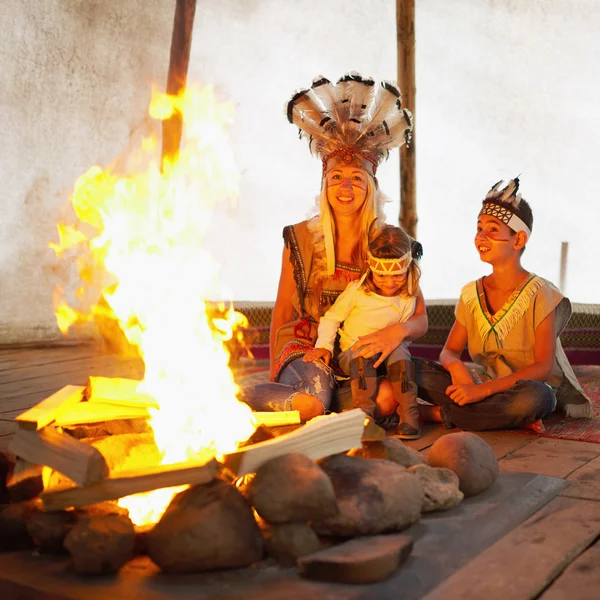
column 405, row 32
column 181, row 43
column 564, row 250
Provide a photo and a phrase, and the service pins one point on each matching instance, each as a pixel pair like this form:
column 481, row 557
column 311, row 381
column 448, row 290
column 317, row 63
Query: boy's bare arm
column 450, row 355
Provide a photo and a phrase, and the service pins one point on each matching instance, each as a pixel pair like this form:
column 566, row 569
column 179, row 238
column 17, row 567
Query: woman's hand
column 463, row 394
column 383, row 341
column 317, row 354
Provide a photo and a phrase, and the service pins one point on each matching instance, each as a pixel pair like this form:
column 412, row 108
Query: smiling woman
column 351, row 126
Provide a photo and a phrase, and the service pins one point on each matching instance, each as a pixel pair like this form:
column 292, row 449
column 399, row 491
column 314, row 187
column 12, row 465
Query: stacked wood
column 118, row 391
column 131, row 482
column 78, row 461
column 320, row 437
column 48, row 410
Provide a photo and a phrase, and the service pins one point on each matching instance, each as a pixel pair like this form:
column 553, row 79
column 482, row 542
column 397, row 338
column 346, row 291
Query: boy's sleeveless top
column 504, row 342
column 315, row 293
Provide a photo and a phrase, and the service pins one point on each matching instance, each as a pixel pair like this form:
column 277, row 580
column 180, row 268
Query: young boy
column 511, row 321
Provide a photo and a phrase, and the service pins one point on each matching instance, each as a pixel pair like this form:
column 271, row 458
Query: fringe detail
column 289, row 238
column 509, row 317
column 319, row 260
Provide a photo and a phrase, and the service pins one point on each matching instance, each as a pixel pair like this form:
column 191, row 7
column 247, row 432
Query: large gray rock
column 288, row 542
column 291, row 488
column 389, row 449
column 373, row 496
column 440, row 487
column 469, row 456
column 205, row 527
column 100, row 545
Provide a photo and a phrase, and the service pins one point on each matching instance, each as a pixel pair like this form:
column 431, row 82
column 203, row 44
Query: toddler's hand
column 317, row 354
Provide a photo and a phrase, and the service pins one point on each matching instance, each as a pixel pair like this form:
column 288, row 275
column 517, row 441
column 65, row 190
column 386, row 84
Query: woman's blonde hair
column 371, row 210
column 389, row 241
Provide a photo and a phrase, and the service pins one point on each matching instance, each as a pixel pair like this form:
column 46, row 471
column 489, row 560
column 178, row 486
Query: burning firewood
column 48, row 410
column 80, row 462
column 277, row 419
column 318, row 438
column 26, row 481
column 119, row 391
column 99, row 412
column 131, row 482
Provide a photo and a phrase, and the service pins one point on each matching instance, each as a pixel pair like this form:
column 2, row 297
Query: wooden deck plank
column 525, row 561
column 504, row 443
column 585, row 482
column 580, row 580
column 547, row 456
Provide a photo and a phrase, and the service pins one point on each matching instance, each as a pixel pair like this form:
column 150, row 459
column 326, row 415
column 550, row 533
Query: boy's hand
column 317, row 354
column 463, row 394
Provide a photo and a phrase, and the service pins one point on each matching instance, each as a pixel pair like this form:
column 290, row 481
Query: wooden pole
column 405, row 31
column 181, row 43
column 564, row 250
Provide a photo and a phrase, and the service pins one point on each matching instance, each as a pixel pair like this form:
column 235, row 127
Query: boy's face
column 495, row 240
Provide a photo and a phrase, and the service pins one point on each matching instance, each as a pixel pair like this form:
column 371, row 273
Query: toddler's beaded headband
column 503, row 204
column 389, row 266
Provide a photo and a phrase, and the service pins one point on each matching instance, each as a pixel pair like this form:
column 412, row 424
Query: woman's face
column 346, row 189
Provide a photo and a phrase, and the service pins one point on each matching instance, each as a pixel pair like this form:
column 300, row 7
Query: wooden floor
column 551, row 556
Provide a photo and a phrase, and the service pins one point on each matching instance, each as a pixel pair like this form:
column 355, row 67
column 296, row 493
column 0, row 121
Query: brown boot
column 363, row 380
column 402, row 375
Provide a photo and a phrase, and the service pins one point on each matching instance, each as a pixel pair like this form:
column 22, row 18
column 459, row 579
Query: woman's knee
column 385, row 400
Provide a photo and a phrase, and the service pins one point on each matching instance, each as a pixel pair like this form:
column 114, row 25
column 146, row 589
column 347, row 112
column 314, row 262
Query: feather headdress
column 503, row 203
column 353, row 121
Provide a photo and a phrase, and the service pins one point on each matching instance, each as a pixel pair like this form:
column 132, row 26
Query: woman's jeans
column 313, row 378
column 525, row 402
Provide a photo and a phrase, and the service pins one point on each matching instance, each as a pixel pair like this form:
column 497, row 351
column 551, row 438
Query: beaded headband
column 503, row 204
column 389, row 266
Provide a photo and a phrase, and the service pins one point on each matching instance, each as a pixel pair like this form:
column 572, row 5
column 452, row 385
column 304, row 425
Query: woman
column 351, row 126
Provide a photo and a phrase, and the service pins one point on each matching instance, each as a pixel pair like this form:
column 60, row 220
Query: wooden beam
column 277, row 419
column 80, row 462
column 118, row 391
column 405, row 31
column 181, row 43
column 97, row 412
column 48, row 410
column 320, row 437
column 132, row 482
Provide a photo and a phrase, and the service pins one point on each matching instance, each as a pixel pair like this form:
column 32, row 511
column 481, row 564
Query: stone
column 206, row 527
column 288, row 542
column 389, row 449
column 373, row 496
column 7, row 464
column 440, row 487
column 48, row 530
column 101, row 544
column 470, row 457
column 13, row 526
column 291, row 488
column 364, row 560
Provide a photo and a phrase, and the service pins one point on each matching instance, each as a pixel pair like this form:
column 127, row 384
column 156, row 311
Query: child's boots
column 402, row 377
column 363, row 380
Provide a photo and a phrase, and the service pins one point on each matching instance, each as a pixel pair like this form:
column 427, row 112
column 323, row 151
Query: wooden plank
column 546, row 456
column 47, row 410
column 120, row 391
column 580, row 580
column 96, row 412
column 504, row 443
column 524, row 562
column 277, row 419
column 81, row 463
column 132, row 482
column 320, row 437
column 585, row 482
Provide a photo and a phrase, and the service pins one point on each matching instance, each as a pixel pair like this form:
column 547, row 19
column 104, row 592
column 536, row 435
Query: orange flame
column 138, row 242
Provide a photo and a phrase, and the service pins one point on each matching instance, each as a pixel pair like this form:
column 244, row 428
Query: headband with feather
column 353, row 121
column 503, row 203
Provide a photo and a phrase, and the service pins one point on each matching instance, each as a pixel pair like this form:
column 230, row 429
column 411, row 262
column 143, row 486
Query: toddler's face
column 389, row 285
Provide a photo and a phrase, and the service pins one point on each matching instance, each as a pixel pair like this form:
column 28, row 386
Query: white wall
column 504, row 87
column 74, row 80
